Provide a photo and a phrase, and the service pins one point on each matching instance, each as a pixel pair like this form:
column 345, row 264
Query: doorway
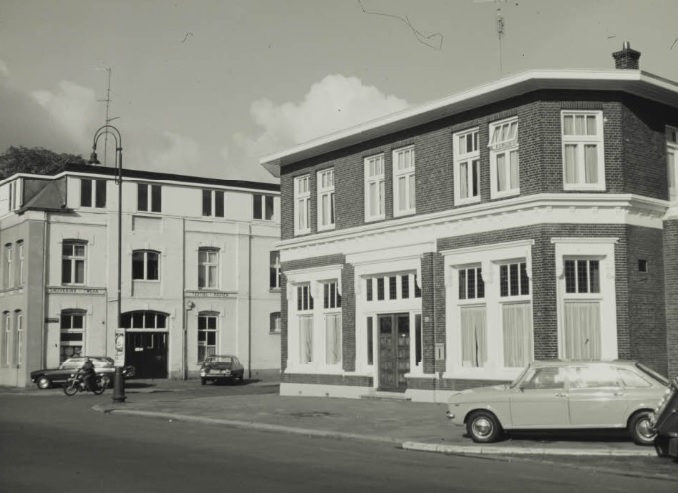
column 147, row 352
column 394, row 351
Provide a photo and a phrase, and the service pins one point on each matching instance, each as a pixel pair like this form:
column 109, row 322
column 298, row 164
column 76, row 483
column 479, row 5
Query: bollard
column 119, row 385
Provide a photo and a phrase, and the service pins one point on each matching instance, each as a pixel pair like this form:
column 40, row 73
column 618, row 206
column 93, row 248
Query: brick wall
column 671, row 293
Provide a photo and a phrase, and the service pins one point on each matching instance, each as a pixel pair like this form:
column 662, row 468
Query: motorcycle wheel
column 99, row 388
column 71, row 388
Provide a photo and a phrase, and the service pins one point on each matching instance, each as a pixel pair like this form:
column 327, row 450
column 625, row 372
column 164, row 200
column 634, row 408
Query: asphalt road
column 52, row 443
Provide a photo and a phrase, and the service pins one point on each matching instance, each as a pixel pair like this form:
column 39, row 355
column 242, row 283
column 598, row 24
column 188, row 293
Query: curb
column 490, row 450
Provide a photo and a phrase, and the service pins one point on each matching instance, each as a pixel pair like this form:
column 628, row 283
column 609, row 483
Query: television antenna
column 107, row 100
column 500, row 26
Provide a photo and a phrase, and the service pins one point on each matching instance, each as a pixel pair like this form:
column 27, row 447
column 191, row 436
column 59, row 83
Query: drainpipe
column 184, row 306
column 437, row 380
column 249, row 302
column 45, row 325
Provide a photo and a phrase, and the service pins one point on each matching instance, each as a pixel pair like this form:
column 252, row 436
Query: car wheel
column 43, row 383
column 483, row 427
column 640, row 429
column 203, row 381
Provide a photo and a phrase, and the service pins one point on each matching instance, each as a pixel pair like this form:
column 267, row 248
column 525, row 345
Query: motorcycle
column 76, row 383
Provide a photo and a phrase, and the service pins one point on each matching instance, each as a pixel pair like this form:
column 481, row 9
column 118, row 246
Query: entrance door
column 147, row 352
column 394, row 351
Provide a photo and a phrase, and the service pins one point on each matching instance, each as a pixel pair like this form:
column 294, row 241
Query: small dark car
column 221, row 368
column 664, row 421
column 103, row 365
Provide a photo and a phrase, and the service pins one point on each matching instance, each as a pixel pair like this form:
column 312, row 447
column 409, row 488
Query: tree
column 34, row 160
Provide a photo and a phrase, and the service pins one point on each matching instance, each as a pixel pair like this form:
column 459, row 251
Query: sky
column 209, row 87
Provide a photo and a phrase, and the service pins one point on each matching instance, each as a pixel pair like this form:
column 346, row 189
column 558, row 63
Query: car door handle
column 561, row 395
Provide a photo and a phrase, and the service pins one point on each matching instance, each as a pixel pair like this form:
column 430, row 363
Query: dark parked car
column 103, row 365
column 664, row 422
column 224, row 368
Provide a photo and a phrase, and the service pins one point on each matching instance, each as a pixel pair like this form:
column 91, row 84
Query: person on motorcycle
column 88, row 374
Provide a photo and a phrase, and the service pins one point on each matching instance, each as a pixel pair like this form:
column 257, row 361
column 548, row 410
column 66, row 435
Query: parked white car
column 558, row 395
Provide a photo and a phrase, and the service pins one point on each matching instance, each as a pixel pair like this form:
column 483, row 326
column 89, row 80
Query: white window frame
column 601, row 249
column 213, row 202
column 326, row 200
column 208, row 266
column 8, row 273
column 7, row 336
column 73, row 260
column 82, row 331
column 332, row 310
column 672, row 162
column 275, row 320
column 14, row 194
column 461, row 155
column 274, row 277
column 207, row 316
column 19, row 342
column 263, row 199
column 504, row 142
column 20, row 255
column 375, row 167
column 489, row 258
column 302, row 204
column 581, row 141
column 94, row 184
column 404, row 168
column 148, row 207
column 145, row 275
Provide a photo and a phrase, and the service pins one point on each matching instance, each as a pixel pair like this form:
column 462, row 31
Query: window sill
column 374, row 219
column 502, row 195
column 274, row 332
column 302, row 233
column 474, row 200
column 584, row 188
column 327, row 228
column 404, row 213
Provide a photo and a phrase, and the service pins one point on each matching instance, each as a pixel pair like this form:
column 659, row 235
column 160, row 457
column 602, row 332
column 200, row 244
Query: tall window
column 473, row 317
column 274, row 270
column 582, row 304
column 208, row 268
column 504, row 158
column 404, row 197
column 672, row 161
column 374, row 188
column 73, row 262
column 19, row 343
column 14, row 195
column 8, row 274
column 326, row 199
column 20, row 255
column 583, row 161
column 207, row 334
column 305, row 315
column 466, row 167
column 149, row 197
column 332, row 320
column 516, row 314
column 213, row 203
column 72, row 338
column 145, row 265
column 275, row 323
column 6, row 339
column 92, row 193
column 262, row 207
column 302, row 205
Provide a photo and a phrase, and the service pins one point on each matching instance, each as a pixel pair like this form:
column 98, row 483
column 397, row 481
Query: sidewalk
column 411, row 425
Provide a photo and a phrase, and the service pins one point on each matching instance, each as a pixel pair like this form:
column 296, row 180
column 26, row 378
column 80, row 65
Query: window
column 213, row 203
column 547, row 378
column 504, row 168
column 404, row 197
column 302, row 205
column 262, row 207
column 274, row 270
column 473, row 317
column 20, row 255
column 374, row 188
column 92, row 192
column 145, row 265
column 513, row 280
column 516, row 314
column 471, row 285
column 207, row 335
column 304, row 298
column 672, row 162
column 208, row 268
column 8, row 277
column 19, row 343
column 14, row 197
column 305, row 304
column 582, row 276
column 72, row 338
column 6, row 339
column 392, row 287
column 149, row 198
column 466, row 167
column 275, row 323
column 144, row 319
column 418, row 341
column 583, row 161
column 326, row 199
column 370, row 341
column 73, row 262
column 332, row 320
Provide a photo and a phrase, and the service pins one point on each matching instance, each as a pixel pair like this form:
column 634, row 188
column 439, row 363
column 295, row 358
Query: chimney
column 626, row 58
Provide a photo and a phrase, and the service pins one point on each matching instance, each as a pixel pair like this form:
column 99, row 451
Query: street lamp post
column 119, row 390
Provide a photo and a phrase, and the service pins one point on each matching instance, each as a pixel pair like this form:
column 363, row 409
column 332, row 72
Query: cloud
column 335, row 103
column 4, row 71
column 71, row 107
column 169, row 152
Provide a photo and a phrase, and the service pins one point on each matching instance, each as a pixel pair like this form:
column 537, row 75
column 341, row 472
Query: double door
column 147, row 352
column 394, row 351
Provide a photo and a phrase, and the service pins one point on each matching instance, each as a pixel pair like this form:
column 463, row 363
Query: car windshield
column 653, row 374
column 219, row 359
column 519, row 378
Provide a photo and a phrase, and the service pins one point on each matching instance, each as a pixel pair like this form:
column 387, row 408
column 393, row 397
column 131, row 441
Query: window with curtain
column 516, row 314
column 473, row 336
column 207, row 335
column 302, row 204
column 504, row 158
column 581, row 309
column 404, row 198
column 208, row 268
column 672, row 162
column 305, row 320
column 583, row 160
column 326, row 199
column 374, row 188
column 466, row 156
column 274, row 273
column 73, row 257
column 332, row 320
column 275, row 323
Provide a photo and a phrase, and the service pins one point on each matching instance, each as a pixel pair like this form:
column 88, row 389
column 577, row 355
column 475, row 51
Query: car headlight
column 202, row 373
